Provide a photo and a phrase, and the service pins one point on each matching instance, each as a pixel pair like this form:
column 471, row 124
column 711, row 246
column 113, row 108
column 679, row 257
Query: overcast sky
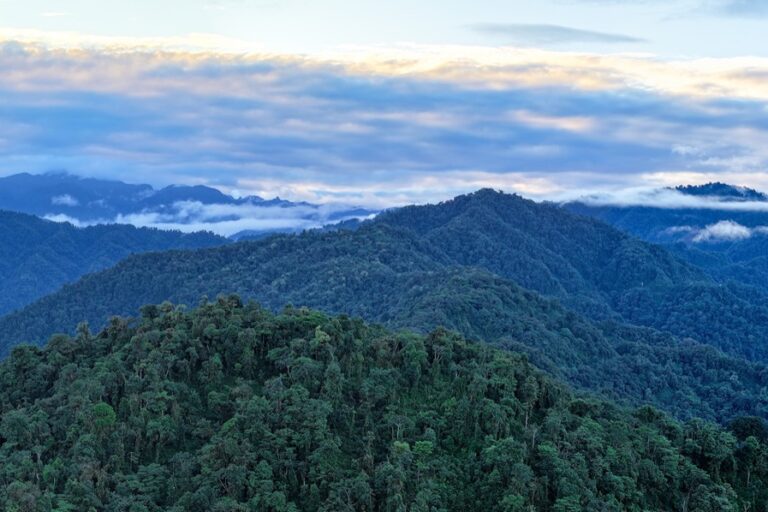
column 387, row 102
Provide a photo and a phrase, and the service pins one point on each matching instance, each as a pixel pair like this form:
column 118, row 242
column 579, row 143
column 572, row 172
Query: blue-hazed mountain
column 718, row 227
column 723, row 191
column 62, row 196
column 682, row 214
column 38, row 256
column 90, row 199
column 462, row 264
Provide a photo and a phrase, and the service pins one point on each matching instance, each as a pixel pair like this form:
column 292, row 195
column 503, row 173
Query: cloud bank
column 721, row 231
column 375, row 126
column 724, row 231
column 226, row 219
column 667, row 198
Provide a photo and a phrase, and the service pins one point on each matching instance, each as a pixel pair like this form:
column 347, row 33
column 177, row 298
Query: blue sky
column 710, row 28
column 387, row 102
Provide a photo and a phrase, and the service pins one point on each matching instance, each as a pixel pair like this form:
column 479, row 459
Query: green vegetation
column 418, row 268
column 38, row 256
column 232, row 408
column 741, row 260
column 587, row 265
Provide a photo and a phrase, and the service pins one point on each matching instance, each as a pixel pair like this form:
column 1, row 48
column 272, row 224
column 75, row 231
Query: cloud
column 723, row 231
column 578, row 124
column 227, row 219
column 64, row 200
column 549, row 34
column 375, row 126
column 668, row 199
column 674, row 230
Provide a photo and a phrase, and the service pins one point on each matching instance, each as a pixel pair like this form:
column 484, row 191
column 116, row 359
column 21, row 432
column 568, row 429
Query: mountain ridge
column 38, row 256
column 88, row 201
column 449, row 265
column 724, row 236
column 722, row 190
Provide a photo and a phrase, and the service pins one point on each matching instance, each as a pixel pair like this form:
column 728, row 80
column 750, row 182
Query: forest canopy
column 230, row 407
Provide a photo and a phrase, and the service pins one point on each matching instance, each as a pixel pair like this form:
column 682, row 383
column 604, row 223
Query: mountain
column 723, row 191
column 231, row 408
column 461, row 264
column 91, row 200
column 38, row 256
column 87, row 201
column 61, row 193
column 724, row 230
column 586, row 264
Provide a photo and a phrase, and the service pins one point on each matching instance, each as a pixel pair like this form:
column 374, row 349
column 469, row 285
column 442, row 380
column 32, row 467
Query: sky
column 387, row 103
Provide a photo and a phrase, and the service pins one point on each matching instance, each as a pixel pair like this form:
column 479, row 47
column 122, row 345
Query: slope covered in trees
column 744, row 262
column 589, row 266
column 723, row 235
column 412, row 277
column 38, row 256
column 231, row 408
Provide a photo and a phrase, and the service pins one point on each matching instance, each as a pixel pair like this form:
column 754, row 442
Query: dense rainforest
column 587, row 265
column 737, row 252
column 230, row 407
column 418, row 268
column 38, row 256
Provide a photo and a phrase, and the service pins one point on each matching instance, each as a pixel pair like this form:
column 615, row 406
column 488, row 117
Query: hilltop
column 231, row 408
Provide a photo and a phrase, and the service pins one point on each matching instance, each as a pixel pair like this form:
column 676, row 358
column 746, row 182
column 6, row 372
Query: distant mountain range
column 722, row 191
column 38, row 256
column 87, row 201
column 683, row 214
column 718, row 227
column 461, row 264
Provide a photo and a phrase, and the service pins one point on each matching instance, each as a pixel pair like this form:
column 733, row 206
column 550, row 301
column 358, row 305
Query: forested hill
column 722, row 191
column 38, row 256
column 725, row 237
column 582, row 261
column 231, row 408
column 417, row 276
column 586, row 264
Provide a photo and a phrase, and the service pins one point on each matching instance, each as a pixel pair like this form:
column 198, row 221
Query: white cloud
column 64, row 200
column 226, row 219
column 725, row 230
column 378, row 126
column 578, row 124
column 486, row 66
column 679, row 229
column 722, row 231
column 667, row 198
column 60, row 217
